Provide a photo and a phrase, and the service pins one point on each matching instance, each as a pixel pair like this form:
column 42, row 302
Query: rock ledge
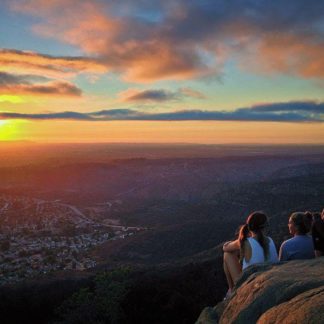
column 287, row 292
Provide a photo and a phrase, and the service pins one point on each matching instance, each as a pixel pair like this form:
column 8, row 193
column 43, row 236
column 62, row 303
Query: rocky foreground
column 288, row 292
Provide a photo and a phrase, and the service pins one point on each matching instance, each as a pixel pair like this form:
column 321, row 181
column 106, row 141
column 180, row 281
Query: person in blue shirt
column 300, row 246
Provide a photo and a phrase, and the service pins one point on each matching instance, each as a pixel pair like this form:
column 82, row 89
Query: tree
column 102, row 304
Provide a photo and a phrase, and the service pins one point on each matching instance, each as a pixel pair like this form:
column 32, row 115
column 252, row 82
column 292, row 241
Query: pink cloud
column 51, row 66
column 293, row 55
column 55, row 88
column 88, row 26
column 189, row 40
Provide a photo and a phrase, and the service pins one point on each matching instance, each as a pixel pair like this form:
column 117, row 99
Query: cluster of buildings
column 54, row 236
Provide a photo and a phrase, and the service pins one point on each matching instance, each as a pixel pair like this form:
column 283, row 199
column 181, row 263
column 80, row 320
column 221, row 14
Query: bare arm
column 283, row 256
column 231, row 246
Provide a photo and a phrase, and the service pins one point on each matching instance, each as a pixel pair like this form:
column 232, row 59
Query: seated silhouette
column 251, row 247
column 300, row 246
column 318, row 233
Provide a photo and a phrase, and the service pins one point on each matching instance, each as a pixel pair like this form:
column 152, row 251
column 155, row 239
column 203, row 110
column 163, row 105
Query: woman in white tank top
column 257, row 253
column 251, row 247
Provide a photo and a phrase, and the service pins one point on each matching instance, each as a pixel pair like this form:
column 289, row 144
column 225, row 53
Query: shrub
column 101, row 304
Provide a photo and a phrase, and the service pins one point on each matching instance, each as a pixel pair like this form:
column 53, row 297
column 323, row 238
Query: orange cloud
column 82, row 23
column 51, row 66
column 55, row 88
column 291, row 54
column 274, row 52
column 158, row 60
column 193, row 39
column 87, row 25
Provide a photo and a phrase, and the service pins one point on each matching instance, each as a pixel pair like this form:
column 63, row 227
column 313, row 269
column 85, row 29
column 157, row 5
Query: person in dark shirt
column 318, row 235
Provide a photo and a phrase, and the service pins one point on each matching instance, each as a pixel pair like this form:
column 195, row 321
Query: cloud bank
column 159, row 95
column 27, row 85
column 47, row 65
column 299, row 111
column 25, row 73
column 146, row 41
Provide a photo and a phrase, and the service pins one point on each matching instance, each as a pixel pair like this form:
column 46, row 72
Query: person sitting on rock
column 309, row 216
column 318, row 234
column 251, row 247
column 301, row 245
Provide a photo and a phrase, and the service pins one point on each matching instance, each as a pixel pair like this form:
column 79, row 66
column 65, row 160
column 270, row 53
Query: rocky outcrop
column 288, row 292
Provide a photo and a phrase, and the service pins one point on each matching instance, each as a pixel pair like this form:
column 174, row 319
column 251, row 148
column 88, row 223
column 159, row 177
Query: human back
column 300, row 247
column 254, row 253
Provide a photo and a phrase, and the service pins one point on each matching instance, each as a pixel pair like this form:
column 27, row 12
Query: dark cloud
column 153, row 95
column 153, row 40
column 58, row 88
column 49, row 65
column 10, row 79
column 160, row 95
column 116, row 114
column 277, row 112
column 63, row 115
column 245, row 115
column 196, row 29
column 14, row 79
column 24, row 84
column 306, row 106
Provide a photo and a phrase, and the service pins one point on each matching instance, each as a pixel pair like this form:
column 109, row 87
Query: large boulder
column 287, row 292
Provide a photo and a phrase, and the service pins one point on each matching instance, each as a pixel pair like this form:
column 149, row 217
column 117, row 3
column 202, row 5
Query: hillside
column 179, row 230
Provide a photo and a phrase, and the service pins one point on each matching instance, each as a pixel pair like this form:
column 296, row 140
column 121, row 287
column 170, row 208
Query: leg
column 228, row 277
column 232, row 268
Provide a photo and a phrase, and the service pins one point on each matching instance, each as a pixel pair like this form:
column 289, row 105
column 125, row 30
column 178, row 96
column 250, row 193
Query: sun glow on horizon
column 202, row 132
column 11, row 99
column 74, row 73
column 11, row 130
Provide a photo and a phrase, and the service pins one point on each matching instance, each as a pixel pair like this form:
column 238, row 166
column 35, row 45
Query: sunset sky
column 202, row 71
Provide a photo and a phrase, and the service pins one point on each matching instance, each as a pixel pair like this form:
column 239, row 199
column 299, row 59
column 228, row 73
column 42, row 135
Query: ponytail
column 302, row 222
column 264, row 242
column 243, row 235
